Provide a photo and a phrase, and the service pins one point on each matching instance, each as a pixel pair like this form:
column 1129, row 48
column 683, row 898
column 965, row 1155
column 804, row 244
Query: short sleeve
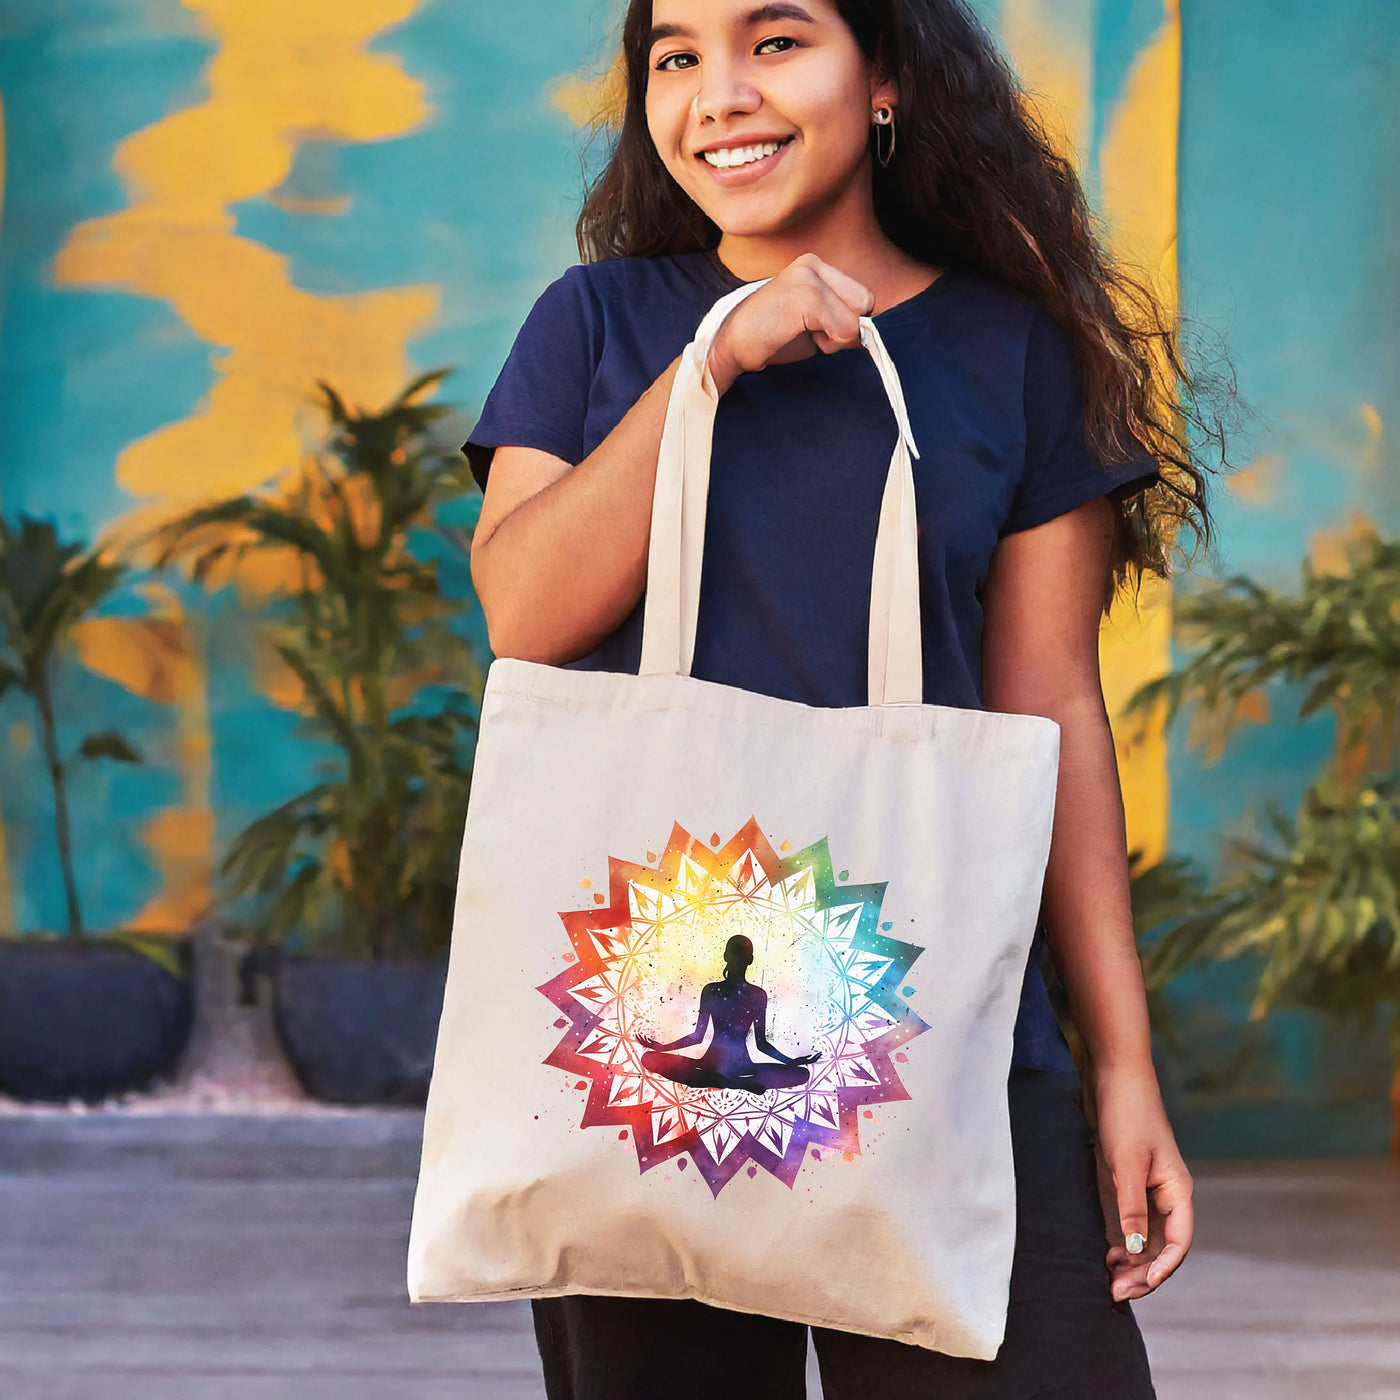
column 1061, row 470
column 540, row 397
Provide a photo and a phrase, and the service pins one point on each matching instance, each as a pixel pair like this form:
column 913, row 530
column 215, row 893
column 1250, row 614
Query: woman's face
column 739, row 73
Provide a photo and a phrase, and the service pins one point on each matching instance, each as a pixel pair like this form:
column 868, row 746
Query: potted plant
column 1315, row 901
column 80, row 1017
column 347, row 887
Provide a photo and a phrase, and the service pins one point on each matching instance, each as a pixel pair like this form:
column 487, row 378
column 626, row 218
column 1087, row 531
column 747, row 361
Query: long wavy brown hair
column 975, row 183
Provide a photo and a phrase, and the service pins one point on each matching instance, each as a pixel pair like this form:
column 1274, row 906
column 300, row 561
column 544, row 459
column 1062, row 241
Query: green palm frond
column 1316, row 902
column 366, row 860
column 1339, row 634
column 47, row 586
column 107, row 743
column 259, row 524
column 1312, row 902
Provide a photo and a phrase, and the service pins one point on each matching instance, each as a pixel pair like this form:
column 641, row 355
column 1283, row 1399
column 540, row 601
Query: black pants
column 1066, row 1339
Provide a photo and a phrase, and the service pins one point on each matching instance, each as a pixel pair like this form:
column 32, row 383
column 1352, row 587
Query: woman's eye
column 664, row 65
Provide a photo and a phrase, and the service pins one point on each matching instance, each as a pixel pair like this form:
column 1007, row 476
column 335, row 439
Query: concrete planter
column 358, row 1032
column 86, row 1020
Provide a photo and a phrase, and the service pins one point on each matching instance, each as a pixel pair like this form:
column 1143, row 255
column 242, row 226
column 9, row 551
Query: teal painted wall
column 1290, row 203
column 1287, row 214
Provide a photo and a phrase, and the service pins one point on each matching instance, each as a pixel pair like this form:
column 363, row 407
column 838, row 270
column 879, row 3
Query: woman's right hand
column 808, row 307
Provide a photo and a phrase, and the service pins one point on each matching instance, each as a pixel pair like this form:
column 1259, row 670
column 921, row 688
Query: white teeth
column 727, row 157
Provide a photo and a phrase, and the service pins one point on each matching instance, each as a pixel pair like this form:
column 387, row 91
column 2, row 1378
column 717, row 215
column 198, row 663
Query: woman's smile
column 743, row 171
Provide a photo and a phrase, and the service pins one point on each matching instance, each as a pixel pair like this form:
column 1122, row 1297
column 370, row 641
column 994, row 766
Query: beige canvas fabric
column 733, row 979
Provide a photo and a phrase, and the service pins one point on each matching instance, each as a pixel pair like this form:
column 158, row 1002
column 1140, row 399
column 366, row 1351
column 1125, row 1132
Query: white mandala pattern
column 839, row 1016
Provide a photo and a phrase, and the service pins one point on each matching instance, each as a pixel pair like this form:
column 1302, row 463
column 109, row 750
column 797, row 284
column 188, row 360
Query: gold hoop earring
column 884, row 117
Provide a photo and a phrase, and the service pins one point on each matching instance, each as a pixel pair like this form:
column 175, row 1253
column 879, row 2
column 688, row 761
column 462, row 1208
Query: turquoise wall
column 1289, row 208
column 389, row 191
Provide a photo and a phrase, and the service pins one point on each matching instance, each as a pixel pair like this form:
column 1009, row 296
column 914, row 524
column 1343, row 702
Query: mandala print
column 719, row 944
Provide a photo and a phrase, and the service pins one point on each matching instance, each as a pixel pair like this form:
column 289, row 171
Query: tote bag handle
column 895, row 666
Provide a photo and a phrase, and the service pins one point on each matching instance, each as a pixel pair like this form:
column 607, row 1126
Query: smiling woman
column 853, row 162
column 759, row 152
column 814, row 83
column 975, row 183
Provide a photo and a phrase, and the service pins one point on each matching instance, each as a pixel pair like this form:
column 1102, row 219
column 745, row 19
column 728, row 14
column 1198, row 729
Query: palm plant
column 47, row 586
column 365, row 860
column 1316, row 901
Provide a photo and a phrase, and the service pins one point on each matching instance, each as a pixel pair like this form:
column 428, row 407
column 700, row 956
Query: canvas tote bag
column 732, row 981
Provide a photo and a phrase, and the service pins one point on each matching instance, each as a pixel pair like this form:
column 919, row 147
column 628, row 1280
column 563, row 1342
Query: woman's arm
column 559, row 553
column 1042, row 609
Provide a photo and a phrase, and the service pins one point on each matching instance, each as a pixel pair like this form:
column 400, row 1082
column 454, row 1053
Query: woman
column 871, row 157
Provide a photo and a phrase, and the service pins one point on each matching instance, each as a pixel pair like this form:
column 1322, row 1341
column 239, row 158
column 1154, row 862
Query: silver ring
column 1135, row 1243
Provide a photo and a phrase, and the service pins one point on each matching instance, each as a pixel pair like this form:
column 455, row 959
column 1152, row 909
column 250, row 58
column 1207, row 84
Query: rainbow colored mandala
column 669, row 955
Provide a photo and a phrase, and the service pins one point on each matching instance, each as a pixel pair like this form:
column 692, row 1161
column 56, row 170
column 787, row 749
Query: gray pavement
column 261, row 1258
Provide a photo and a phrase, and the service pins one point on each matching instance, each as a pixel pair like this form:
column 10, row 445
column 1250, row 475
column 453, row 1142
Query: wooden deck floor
column 169, row 1258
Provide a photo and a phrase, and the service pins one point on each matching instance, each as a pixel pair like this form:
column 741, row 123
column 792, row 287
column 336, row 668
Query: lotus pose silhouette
column 732, row 1006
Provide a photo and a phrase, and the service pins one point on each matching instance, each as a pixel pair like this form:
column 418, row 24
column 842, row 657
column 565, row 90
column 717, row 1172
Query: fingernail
column 1135, row 1243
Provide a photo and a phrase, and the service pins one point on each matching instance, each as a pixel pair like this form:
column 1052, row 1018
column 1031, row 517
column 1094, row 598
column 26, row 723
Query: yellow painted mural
column 157, row 656
column 281, row 76
column 1052, row 45
column 1138, row 169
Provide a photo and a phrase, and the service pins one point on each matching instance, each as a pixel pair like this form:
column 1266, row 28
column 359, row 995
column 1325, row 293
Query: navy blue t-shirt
column 798, row 467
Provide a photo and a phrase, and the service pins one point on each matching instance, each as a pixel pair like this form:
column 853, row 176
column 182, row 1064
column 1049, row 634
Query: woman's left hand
column 1143, row 1181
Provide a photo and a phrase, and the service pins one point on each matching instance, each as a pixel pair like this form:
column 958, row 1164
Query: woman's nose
column 723, row 92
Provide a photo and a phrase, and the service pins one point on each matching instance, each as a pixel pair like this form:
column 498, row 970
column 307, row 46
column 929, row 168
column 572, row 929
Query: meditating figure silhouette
column 732, row 1007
